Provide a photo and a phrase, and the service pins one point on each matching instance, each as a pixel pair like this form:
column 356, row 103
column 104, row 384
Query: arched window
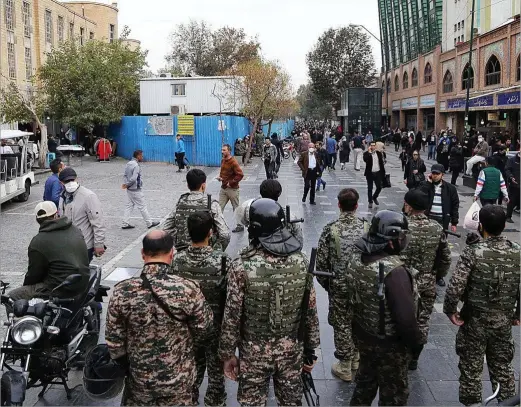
column 468, row 77
column 383, row 84
column 518, row 68
column 388, row 85
column 427, row 74
column 414, row 78
column 396, row 83
column 405, row 80
column 492, row 71
column 447, row 82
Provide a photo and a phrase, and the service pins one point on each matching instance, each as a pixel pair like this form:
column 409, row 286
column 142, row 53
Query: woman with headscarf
column 345, row 150
column 415, row 169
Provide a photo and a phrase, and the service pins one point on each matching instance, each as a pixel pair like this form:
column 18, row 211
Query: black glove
column 472, row 238
column 309, row 356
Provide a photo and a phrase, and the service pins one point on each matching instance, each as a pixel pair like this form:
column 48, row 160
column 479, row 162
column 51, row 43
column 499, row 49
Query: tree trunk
column 269, row 127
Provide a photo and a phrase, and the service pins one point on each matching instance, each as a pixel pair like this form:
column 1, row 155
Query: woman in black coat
column 456, row 161
column 414, row 171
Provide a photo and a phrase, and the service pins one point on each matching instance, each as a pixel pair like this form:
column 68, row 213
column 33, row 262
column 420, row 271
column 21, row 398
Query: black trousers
column 376, row 179
column 180, row 158
column 270, row 169
column 332, row 160
column 455, row 174
column 310, row 181
column 488, row 201
column 396, row 146
column 513, row 195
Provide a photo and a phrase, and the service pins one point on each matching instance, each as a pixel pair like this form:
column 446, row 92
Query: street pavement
column 434, row 383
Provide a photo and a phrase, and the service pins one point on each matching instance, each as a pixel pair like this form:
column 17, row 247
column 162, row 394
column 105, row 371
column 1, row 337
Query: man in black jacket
column 56, row 252
column 374, row 173
column 512, row 176
column 443, row 202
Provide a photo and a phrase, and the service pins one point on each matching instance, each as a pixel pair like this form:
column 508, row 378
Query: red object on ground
column 104, row 150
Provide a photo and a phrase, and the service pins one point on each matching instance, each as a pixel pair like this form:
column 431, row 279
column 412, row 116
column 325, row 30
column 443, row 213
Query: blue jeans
column 320, row 180
column 432, row 152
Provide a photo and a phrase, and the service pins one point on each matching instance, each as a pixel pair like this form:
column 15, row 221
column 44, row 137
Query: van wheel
column 25, row 196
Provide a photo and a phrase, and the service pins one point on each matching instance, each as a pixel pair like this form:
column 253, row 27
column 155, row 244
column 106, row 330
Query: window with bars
column 448, row 84
column 28, row 64
column 468, row 77
column 9, row 14
column 71, row 31
column 112, row 32
column 48, row 26
column 11, row 62
column 414, row 78
column 26, row 15
column 61, row 29
column 492, row 71
column 427, row 74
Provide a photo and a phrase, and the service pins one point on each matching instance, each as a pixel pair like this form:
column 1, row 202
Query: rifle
column 448, row 232
column 288, row 217
column 309, row 386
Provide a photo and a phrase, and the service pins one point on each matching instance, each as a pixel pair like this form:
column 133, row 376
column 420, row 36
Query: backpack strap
column 146, row 284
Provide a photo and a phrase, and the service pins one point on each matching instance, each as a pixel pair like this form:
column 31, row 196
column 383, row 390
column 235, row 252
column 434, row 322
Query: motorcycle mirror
column 70, row 280
column 20, row 308
column 53, row 330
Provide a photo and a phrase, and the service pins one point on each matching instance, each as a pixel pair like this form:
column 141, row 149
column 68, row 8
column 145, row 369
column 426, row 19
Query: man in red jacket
column 230, row 176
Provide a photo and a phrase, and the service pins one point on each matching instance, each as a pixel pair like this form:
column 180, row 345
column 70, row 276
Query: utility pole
column 467, row 127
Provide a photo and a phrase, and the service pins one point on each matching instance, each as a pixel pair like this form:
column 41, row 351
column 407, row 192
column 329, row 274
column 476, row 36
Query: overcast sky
column 287, row 29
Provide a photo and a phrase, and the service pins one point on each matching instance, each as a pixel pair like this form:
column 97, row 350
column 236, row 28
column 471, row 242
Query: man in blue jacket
column 53, row 187
column 180, row 152
column 331, row 152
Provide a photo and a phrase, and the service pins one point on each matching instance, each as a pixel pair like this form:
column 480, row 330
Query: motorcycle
column 289, row 150
column 49, row 338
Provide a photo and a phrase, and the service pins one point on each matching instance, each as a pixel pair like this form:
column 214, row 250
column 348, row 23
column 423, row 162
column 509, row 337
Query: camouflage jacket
column 427, row 251
column 204, row 266
column 231, row 331
column 159, row 348
column 221, row 229
column 334, row 246
column 487, row 280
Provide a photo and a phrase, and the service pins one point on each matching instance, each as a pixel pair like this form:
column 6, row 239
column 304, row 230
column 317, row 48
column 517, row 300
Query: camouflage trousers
column 383, row 367
column 425, row 306
column 181, row 397
column 278, row 359
column 206, row 357
column 475, row 339
column 341, row 321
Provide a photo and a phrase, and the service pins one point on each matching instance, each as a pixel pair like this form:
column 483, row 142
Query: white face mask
column 311, row 150
column 71, row 187
column 480, row 139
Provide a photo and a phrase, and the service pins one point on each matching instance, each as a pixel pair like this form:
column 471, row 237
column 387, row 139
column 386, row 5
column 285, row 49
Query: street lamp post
column 469, row 68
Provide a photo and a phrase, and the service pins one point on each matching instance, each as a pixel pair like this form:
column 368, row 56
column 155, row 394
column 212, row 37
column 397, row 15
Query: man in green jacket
column 490, row 185
column 56, row 252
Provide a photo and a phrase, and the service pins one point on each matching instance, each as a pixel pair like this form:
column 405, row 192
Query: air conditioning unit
column 177, row 109
column 476, row 31
column 165, row 75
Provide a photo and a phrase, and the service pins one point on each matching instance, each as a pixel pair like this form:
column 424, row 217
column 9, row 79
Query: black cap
column 439, row 168
column 67, row 174
column 417, row 200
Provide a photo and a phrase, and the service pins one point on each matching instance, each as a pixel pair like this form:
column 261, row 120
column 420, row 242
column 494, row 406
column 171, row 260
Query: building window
column 405, row 80
column 396, row 83
column 112, row 32
column 28, row 64
column 414, row 78
column 518, row 68
column 389, row 82
column 383, row 86
column 455, row 27
column 427, row 74
column 179, row 89
column 492, row 71
column 459, row 26
column 468, row 77
column 447, row 82
column 462, row 38
column 61, row 29
column 71, row 31
column 462, row 24
column 11, row 64
column 48, row 27
column 455, row 41
column 26, row 14
column 82, row 32
column 91, row 35
column 9, row 14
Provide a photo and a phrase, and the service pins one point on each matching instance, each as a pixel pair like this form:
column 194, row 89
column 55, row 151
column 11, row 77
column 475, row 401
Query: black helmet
column 267, row 225
column 388, row 225
column 103, row 378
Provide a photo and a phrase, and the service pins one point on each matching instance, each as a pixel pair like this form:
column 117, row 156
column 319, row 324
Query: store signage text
column 396, row 105
column 477, row 102
column 511, row 98
column 428, row 101
column 410, row 103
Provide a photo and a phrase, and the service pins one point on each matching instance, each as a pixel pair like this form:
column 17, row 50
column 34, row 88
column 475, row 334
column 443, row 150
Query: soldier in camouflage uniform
column 487, row 280
column 334, row 246
column 429, row 253
column 195, row 201
column 383, row 294
column 268, row 286
column 208, row 267
column 152, row 329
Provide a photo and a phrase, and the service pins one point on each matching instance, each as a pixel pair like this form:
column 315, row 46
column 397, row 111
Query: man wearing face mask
column 309, row 165
column 83, row 208
column 480, row 153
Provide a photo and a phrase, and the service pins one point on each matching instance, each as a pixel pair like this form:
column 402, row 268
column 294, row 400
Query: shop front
column 395, row 118
column 410, row 108
column 508, row 110
column 428, row 112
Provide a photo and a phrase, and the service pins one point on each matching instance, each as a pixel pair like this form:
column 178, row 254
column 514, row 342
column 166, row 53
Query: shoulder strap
column 336, row 240
column 146, row 284
column 223, row 265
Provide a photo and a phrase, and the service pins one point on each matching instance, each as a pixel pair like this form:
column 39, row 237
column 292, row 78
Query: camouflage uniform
column 487, row 280
column 159, row 348
column 205, row 265
column 262, row 317
column 189, row 203
column 333, row 248
column 429, row 253
column 383, row 358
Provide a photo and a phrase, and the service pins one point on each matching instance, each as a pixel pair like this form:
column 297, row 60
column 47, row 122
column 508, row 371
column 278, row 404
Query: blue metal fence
column 282, row 128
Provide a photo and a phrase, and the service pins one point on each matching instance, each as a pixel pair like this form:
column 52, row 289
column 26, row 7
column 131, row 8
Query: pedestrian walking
column 133, row 184
column 443, row 151
column 266, row 325
column 480, row 154
column 334, row 246
column 275, row 140
column 512, row 171
column 230, row 176
column 180, row 152
column 403, row 158
column 428, row 252
column 323, row 159
column 209, row 268
column 414, row 173
column 486, row 279
column 309, row 164
column 53, row 188
column 384, row 310
column 374, row 173
column 490, row 185
column 331, row 147
column 154, row 323
column 432, row 143
column 196, row 201
column 368, row 138
column 358, row 149
column 397, row 136
column 269, row 157
column 83, row 208
column 345, row 151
